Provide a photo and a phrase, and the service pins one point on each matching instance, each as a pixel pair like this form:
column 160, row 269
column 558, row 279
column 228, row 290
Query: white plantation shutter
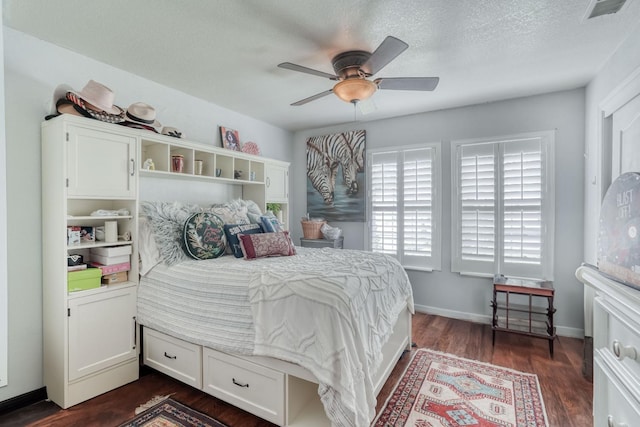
column 478, row 197
column 404, row 205
column 417, row 205
column 504, row 206
column 384, row 203
column 522, row 198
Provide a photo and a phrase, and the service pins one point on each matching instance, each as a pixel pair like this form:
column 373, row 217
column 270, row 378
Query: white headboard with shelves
column 203, row 193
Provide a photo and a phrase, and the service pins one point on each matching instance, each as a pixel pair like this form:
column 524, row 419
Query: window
column 503, row 206
column 404, row 205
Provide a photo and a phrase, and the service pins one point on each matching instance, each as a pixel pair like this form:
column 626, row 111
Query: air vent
column 603, row 7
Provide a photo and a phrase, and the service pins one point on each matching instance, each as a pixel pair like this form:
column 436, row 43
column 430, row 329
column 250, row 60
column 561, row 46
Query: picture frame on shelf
column 87, row 234
column 230, row 138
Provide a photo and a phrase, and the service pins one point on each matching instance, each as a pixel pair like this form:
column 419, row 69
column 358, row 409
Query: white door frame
column 617, row 98
column 4, row 288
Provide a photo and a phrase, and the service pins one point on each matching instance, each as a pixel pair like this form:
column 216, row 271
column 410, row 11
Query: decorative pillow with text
column 233, row 230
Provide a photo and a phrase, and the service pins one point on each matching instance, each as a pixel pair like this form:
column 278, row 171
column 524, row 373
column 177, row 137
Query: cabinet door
column 101, row 331
column 100, row 164
column 277, row 183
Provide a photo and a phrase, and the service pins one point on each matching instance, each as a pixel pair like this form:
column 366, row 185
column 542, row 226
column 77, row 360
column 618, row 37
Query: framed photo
column 230, row 138
column 87, row 234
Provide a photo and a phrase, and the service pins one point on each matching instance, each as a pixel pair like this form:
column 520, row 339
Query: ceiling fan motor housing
column 347, row 64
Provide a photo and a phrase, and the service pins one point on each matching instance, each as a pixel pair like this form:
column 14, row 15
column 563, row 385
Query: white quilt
column 330, row 311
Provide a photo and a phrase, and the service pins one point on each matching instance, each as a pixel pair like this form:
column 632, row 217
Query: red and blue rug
column 169, row 413
column 440, row 389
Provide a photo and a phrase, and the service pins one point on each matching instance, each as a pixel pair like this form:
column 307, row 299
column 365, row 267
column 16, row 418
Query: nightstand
column 527, row 319
column 322, row 243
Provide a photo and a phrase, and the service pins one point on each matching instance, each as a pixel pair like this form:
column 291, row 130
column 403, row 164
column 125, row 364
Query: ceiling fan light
column 354, row 90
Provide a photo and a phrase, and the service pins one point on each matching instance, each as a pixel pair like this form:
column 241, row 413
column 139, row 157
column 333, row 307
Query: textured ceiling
column 227, row 51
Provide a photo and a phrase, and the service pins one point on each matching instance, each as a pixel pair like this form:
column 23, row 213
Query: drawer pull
column 169, row 357
column 239, row 384
column 612, row 423
column 621, row 351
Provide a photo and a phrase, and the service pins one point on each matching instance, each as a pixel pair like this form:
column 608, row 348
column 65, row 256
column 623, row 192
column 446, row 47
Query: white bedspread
column 330, row 311
column 202, row 302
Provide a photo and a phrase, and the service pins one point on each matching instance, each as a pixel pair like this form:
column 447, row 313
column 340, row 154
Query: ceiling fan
column 353, row 69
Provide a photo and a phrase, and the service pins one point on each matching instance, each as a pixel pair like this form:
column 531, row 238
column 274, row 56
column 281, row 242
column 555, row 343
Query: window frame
column 435, row 260
column 479, row 268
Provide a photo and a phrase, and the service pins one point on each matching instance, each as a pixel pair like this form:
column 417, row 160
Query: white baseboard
column 563, row 331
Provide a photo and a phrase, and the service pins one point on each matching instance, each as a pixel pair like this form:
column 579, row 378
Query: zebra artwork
column 330, row 156
column 319, row 173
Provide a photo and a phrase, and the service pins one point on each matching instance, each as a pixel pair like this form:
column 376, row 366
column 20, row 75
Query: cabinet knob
column 268, row 182
column 621, row 351
column 611, row 422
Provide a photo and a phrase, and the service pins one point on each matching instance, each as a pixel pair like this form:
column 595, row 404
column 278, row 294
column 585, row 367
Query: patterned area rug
column 440, row 389
column 170, row 413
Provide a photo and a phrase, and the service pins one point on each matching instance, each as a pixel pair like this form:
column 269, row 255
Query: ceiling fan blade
column 313, row 98
column 385, row 53
column 408, row 83
column 300, row 68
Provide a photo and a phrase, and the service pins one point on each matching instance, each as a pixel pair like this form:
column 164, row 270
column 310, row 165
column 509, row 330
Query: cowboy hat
column 61, row 105
column 103, row 116
column 59, row 93
column 143, row 114
column 64, row 106
column 99, row 96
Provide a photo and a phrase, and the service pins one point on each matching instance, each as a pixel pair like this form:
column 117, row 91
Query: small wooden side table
column 530, row 319
column 322, row 243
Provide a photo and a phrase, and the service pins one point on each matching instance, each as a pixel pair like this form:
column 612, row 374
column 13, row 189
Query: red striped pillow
column 266, row 245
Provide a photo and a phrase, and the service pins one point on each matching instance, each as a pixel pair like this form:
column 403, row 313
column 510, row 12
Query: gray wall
column 30, row 80
column 458, row 296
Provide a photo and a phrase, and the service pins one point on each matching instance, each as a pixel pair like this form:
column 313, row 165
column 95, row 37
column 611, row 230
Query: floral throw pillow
column 203, row 236
column 266, row 244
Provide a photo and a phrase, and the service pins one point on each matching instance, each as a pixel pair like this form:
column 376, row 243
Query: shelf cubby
column 158, row 153
column 208, row 162
column 226, row 165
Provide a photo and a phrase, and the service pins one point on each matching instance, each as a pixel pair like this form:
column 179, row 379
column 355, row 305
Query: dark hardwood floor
column 566, row 393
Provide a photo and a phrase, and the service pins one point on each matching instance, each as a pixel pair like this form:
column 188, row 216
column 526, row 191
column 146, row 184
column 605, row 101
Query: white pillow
column 166, row 220
column 147, row 247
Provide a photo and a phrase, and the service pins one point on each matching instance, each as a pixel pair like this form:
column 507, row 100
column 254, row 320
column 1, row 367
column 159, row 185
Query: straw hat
column 171, row 131
column 142, row 114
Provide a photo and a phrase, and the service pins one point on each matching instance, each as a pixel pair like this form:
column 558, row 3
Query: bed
column 306, row 339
